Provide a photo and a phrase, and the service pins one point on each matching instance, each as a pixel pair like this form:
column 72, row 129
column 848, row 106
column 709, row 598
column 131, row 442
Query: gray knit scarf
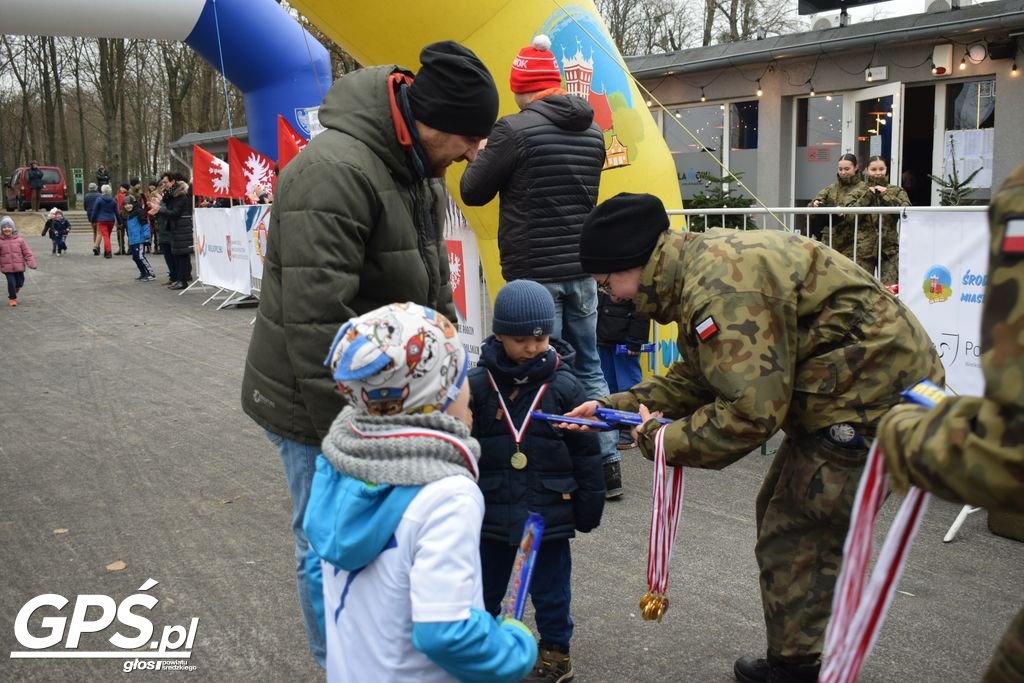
column 403, row 460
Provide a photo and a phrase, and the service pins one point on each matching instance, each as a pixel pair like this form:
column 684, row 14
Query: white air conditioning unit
column 824, row 23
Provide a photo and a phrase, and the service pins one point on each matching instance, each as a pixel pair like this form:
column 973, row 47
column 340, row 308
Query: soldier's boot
column 760, row 670
column 553, row 665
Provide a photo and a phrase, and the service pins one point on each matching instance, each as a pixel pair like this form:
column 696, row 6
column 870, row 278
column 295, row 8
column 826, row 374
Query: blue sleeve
column 478, row 648
column 315, row 584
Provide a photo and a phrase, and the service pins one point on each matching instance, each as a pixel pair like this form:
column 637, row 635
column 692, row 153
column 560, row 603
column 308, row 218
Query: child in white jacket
column 394, row 514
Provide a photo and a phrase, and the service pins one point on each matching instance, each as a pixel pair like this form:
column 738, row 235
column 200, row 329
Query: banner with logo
column 222, row 248
column 943, row 272
column 256, row 219
column 464, row 270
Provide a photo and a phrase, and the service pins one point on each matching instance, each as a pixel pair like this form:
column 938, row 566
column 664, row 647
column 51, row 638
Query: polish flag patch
column 706, row 329
column 1013, row 240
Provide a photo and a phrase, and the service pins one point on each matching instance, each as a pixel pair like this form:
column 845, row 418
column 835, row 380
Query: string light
column 812, row 90
column 963, row 62
column 871, row 76
column 1013, row 69
column 649, row 103
column 759, row 91
column 702, row 97
column 935, row 69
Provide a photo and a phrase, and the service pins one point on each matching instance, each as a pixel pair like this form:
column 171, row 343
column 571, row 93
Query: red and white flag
column 210, row 175
column 706, row 328
column 456, row 276
column 1013, row 240
column 289, row 143
column 250, row 170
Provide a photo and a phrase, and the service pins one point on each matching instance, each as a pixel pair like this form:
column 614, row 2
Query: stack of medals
column 668, row 503
column 518, row 459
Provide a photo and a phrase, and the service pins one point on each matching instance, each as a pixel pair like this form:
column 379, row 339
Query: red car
column 18, row 197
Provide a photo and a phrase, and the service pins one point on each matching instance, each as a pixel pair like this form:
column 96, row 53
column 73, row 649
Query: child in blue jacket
column 529, row 466
column 394, row 513
column 137, row 227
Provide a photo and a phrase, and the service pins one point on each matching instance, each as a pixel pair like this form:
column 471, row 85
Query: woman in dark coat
column 177, row 209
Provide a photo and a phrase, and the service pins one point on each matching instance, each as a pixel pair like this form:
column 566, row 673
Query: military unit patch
column 1013, row 240
column 706, row 329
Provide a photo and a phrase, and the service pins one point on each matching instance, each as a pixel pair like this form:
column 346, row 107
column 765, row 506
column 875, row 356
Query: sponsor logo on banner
column 457, row 275
column 938, row 284
column 201, row 245
column 37, row 634
column 227, row 240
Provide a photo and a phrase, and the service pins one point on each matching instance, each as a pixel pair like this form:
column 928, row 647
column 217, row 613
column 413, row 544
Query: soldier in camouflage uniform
column 877, row 191
column 969, row 449
column 776, row 331
column 848, row 185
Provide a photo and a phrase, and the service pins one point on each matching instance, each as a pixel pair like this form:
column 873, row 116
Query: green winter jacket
column 867, row 233
column 353, row 228
column 795, row 337
column 840, row 193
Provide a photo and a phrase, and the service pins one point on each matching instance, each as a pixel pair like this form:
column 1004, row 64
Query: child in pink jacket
column 14, row 256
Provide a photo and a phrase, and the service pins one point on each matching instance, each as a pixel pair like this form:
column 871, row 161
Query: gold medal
column 653, row 607
column 518, row 460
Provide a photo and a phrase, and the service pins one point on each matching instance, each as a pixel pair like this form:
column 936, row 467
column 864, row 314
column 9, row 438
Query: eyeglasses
column 603, row 286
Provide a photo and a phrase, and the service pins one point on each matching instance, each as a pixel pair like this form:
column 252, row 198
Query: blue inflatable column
column 277, row 65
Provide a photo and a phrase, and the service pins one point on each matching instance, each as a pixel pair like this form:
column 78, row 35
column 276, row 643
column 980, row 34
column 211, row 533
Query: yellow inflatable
column 381, row 33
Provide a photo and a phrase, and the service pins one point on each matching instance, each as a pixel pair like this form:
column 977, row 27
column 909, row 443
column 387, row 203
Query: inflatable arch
column 277, row 65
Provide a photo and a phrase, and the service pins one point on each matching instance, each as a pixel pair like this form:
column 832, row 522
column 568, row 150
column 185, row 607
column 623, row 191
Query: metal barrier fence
column 799, row 220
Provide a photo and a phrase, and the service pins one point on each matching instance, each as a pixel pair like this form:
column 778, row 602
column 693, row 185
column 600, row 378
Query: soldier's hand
column 894, row 430
column 645, row 415
column 584, row 410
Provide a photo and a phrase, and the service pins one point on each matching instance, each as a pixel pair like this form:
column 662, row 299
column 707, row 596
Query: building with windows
column 925, row 91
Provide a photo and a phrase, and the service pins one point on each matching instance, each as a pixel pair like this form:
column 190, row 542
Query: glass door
column 873, row 125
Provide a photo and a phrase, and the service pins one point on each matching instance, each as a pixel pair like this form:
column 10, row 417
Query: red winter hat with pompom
column 535, row 68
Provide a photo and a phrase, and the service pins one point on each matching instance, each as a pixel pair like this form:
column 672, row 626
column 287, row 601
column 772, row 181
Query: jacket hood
column 568, row 112
column 180, row 188
column 565, row 351
column 359, row 105
column 365, row 519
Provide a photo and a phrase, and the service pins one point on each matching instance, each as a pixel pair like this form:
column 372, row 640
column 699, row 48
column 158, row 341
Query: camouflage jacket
column 841, row 193
column 795, row 337
column 970, row 449
column 867, row 227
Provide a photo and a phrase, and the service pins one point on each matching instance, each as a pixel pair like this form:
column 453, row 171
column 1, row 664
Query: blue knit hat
column 524, row 308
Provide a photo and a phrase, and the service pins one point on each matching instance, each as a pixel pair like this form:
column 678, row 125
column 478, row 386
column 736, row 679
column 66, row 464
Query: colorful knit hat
column 400, row 358
column 535, row 68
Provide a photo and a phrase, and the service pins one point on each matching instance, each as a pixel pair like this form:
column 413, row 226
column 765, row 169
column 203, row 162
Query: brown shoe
column 553, row 666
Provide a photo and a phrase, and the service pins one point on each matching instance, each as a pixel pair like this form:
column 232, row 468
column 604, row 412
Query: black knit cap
column 453, row 91
column 621, row 232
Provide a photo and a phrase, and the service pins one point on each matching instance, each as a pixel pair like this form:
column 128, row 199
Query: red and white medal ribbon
column 517, row 434
column 668, row 503
column 858, row 610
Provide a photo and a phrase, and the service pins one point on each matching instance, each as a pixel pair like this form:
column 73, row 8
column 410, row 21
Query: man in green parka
column 970, row 449
column 776, row 331
column 358, row 222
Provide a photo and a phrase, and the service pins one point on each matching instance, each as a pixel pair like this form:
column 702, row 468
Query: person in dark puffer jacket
column 177, row 208
column 545, row 162
column 554, row 472
column 618, row 323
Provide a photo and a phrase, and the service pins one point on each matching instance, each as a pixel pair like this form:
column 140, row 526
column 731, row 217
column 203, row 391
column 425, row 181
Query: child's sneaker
column 148, row 278
column 14, row 302
column 553, row 666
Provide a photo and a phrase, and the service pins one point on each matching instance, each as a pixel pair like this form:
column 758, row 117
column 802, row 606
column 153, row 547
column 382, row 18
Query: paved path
column 120, row 423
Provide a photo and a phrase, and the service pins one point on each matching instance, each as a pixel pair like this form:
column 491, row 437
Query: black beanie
column 453, row 91
column 621, row 232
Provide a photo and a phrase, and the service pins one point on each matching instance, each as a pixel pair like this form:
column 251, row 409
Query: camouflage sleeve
column 824, row 196
column 894, row 195
column 748, row 363
column 676, row 393
column 966, row 450
column 971, row 449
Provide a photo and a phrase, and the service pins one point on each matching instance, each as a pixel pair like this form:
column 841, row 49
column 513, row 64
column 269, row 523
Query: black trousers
column 183, row 267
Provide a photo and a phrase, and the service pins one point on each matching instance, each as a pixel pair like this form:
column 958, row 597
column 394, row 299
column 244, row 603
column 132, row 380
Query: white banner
column 257, row 225
column 943, row 272
column 222, row 248
column 464, row 267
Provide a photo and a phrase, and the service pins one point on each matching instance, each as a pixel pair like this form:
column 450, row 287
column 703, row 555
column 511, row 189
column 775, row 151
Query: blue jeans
column 299, row 460
column 576, row 323
column 15, row 281
column 550, row 587
column 621, row 370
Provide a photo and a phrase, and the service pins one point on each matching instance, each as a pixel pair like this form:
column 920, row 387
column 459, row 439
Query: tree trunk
column 709, row 21
column 77, row 57
column 64, row 155
column 48, row 114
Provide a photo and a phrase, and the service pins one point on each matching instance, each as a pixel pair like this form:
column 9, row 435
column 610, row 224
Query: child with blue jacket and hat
column 394, row 513
column 137, row 225
column 530, row 466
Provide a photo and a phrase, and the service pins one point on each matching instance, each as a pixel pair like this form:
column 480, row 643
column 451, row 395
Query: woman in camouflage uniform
column 878, row 192
column 842, row 192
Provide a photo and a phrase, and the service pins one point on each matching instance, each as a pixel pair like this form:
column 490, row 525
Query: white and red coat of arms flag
column 210, row 175
column 250, row 170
